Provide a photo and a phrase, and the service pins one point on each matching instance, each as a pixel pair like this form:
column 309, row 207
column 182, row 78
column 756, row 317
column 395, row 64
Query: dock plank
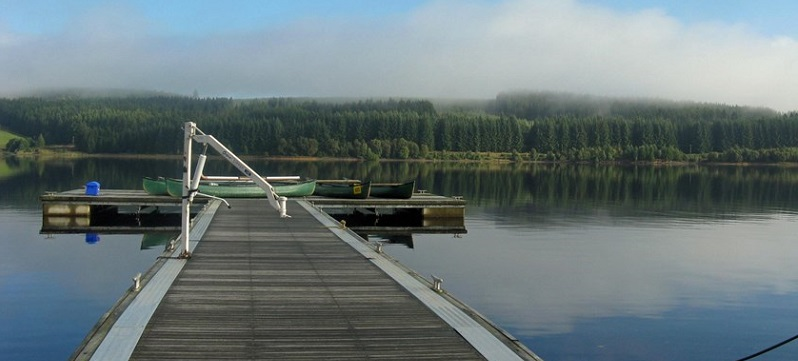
column 262, row 287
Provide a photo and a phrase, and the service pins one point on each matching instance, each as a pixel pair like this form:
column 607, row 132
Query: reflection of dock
column 113, row 211
column 395, row 221
column 262, row 287
column 117, row 223
column 403, row 239
column 423, row 213
column 135, row 211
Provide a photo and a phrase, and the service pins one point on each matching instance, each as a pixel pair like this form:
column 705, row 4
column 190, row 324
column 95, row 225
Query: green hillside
column 5, row 137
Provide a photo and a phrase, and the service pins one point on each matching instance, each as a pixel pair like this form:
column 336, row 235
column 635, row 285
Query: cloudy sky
column 731, row 51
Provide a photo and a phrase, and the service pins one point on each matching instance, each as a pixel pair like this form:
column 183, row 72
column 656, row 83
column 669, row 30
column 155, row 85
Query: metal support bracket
column 190, row 184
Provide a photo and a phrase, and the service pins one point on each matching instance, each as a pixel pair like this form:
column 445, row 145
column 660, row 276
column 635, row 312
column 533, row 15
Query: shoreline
column 493, row 160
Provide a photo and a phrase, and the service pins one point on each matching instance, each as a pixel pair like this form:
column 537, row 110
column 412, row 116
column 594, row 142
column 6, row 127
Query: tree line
column 609, row 138
column 286, row 127
column 537, row 126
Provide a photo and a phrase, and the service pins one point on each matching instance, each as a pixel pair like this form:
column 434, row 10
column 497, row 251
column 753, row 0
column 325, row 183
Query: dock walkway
column 262, row 287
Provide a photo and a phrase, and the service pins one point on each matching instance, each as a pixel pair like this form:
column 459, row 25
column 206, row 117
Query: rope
column 771, row 348
column 190, row 192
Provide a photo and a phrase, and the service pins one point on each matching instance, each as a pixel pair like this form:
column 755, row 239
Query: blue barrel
column 93, row 188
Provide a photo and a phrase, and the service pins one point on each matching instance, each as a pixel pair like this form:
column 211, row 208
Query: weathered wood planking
column 114, row 197
column 261, row 287
column 419, row 201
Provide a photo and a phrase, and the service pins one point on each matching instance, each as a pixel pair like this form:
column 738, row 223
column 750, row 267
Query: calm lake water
column 579, row 262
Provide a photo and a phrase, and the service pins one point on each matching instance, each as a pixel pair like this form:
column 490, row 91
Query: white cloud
column 445, row 49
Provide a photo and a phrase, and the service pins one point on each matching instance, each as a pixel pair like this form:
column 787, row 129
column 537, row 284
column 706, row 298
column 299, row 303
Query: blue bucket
column 92, row 238
column 93, row 188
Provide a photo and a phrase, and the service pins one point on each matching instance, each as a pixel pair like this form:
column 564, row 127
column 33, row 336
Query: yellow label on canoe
column 357, row 189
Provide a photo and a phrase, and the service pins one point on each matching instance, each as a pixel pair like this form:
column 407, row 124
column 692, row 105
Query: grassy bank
column 6, row 136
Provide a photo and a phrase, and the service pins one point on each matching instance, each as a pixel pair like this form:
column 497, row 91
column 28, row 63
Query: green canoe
column 343, row 190
column 244, row 189
column 155, row 186
column 393, row 190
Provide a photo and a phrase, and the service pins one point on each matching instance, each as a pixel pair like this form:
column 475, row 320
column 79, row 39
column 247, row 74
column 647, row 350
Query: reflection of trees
column 509, row 186
column 11, row 166
column 665, row 188
column 559, row 185
column 57, row 175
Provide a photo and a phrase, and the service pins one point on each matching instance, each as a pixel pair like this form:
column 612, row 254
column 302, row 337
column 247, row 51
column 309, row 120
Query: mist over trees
column 538, row 126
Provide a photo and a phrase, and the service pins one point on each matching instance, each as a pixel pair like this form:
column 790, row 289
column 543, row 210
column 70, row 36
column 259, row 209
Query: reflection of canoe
column 154, row 187
column 393, row 190
column 152, row 240
column 343, row 190
column 244, row 189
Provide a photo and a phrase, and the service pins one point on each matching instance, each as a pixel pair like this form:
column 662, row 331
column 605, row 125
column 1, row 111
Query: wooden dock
column 428, row 205
column 263, row 287
column 76, row 203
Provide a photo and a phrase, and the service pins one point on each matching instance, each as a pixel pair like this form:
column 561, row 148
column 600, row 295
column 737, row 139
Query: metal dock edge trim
column 480, row 338
column 120, row 340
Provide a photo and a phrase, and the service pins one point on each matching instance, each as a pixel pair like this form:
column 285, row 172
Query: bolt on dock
column 258, row 286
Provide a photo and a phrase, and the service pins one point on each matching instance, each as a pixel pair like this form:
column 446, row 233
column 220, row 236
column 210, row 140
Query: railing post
column 283, row 211
column 436, row 284
column 137, row 282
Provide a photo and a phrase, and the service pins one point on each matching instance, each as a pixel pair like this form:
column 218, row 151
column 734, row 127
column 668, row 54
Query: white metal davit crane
column 190, row 185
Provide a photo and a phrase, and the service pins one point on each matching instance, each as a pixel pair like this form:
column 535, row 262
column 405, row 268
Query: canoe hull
column 349, row 191
column 301, row 189
column 247, row 190
column 155, row 186
column 393, row 190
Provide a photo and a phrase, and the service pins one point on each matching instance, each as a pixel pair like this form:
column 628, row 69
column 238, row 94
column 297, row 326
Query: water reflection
column 542, row 282
column 405, row 240
column 55, row 287
column 510, row 188
column 157, row 240
column 580, row 262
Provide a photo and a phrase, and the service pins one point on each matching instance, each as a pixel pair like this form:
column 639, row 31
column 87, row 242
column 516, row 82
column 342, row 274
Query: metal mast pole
column 188, row 134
